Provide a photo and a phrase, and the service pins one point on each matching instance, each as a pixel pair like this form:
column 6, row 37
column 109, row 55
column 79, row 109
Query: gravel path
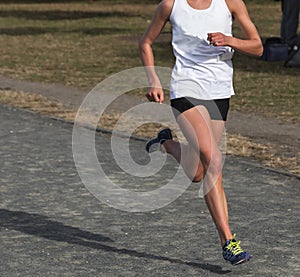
column 51, row 225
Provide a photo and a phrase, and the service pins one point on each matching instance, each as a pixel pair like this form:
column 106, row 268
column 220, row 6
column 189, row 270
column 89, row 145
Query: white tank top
column 201, row 70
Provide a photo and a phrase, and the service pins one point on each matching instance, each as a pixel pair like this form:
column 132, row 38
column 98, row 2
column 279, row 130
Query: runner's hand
column 217, row 39
column 155, row 95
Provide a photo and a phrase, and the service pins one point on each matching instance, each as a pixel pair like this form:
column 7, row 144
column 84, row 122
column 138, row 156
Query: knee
column 197, row 178
column 213, row 162
column 199, row 175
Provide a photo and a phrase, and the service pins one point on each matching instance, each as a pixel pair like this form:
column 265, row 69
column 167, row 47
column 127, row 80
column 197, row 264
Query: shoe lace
column 234, row 246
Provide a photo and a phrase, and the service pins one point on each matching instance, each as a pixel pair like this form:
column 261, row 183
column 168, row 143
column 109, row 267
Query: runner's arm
column 251, row 44
column 159, row 20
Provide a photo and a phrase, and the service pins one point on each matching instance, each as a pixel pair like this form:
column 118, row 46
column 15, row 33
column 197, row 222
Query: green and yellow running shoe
column 233, row 253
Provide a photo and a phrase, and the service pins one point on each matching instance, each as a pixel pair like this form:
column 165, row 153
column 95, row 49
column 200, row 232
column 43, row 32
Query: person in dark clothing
column 289, row 22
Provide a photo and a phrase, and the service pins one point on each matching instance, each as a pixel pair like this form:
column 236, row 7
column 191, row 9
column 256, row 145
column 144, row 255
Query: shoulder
column 235, row 5
column 167, row 4
column 165, row 7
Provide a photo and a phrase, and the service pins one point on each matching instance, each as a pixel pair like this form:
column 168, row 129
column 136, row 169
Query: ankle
column 166, row 145
column 224, row 237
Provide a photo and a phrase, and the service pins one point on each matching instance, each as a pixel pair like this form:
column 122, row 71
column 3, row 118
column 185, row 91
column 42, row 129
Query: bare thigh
column 201, row 132
column 203, row 136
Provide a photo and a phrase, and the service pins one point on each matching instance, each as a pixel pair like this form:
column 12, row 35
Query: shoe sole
column 155, row 141
column 242, row 261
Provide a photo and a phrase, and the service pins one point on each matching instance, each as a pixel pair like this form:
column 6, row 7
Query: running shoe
column 233, row 253
column 162, row 136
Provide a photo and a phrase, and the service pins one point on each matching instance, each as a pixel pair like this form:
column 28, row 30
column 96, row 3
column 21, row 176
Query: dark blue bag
column 275, row 50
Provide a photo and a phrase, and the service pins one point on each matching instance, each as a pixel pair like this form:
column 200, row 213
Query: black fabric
column 217, row 109
column 290, row 21
column 294, row 59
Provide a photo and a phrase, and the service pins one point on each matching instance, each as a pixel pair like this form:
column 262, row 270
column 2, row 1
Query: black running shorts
column 217, row 108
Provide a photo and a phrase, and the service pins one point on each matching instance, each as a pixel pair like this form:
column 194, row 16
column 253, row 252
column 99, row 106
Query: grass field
column 79, row 44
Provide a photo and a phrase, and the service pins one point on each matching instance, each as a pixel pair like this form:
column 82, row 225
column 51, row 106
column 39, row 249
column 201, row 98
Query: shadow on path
column 42, row 226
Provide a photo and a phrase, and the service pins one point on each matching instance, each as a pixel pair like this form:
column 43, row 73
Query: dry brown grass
column 236, row 145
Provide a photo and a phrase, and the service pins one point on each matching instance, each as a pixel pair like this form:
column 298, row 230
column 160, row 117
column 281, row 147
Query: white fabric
column 201, row 70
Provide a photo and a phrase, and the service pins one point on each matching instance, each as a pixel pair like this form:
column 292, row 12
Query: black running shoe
column 162, row 136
